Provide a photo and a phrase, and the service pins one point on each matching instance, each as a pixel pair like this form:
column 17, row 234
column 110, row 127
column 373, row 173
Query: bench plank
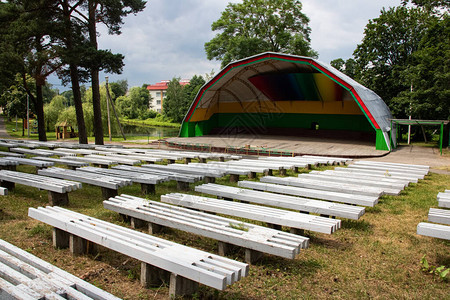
column 37, row 279
column 310, row 193
column 199, row 266
column 434, row 230
column 254, row 212
column 283, row 201
column 223, row 229
column 437, row 215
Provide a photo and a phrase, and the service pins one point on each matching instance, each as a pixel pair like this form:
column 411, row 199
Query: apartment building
column 158, row 93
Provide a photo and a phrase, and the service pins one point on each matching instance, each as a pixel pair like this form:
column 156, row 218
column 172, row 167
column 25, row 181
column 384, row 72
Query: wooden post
column 108, row 193
column 138, row 223
column 183, row 186
column 147, row 189
column 234, row 177
column 181, row 286
column 60, row 238
column 252, row 256
column 55, row 198
column 223, row 248
column 152, row 276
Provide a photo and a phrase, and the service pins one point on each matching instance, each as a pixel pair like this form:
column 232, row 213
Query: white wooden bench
column 387, row 188
column 147, row 181
column 12, row 154
column 271, row 165
column 115, row 159
column 188, row 266
column 57, row 189
column 391, row 171
column 64, row 161
column 272, row 216
column 378, row 173
column 74, row 151
column 233, row 172
column 8, row 164
column 444, row 199
column 9, row 144
column 325, row 186
column 25, row 276
column 294, row 163
column 108, row 184
column 310, row 193
column 230, row 164
column 208, row 175
column 373, row 180
column 182, row 180
column 104, row 163
column 31, row 162
column 290, row 202
column 434, row 230
column 140, row 157
column 255, row 239
column 437, row 215
column 416, row 168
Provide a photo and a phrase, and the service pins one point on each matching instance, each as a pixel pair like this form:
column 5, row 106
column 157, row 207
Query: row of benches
column 440, row 216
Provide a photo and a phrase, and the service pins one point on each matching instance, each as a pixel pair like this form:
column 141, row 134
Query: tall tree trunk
column 82, row 135
column 98, row 126
column 74, row 78
column 40, row 111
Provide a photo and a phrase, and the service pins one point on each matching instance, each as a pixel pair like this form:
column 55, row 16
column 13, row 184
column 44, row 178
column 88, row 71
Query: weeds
column 441, row 271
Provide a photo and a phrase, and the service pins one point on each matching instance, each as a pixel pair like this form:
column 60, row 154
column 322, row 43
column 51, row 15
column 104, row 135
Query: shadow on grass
column 360, row 225
column 305, row 267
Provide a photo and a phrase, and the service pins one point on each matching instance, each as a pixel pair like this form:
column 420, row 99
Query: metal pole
column 28, row 116
column 107, row 109
column 441, row 137
column 409, row 126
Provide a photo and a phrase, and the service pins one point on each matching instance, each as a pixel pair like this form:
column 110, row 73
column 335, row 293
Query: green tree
column 119, row 88
column 135, row 103
column 429, row 76
column 345, row 66
column 179, row 98
column 256, row 26
column 52, row 111
column 386, row 49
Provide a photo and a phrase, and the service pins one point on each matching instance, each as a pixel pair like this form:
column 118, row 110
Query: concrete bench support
column 234, row 177
column 183, row 186
column 8, row 185
column 154, row 228
column 138, row 223
column 152, row 276
column 252, row 256
column 55, row 198
column 108, row 193
column 60, row 238
column 209, row 179
column 148, row 189
column 181, row 286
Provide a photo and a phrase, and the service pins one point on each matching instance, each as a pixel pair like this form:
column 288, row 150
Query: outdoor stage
column 288, row 145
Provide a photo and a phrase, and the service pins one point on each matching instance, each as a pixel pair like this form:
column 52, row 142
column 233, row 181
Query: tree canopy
column 256, row 26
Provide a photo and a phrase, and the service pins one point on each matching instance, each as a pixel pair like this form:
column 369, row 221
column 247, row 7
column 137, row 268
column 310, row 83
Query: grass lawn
column 51, row 135
column 377, row 256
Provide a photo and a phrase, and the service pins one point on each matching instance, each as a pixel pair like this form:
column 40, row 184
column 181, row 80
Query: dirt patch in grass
column 377, row 256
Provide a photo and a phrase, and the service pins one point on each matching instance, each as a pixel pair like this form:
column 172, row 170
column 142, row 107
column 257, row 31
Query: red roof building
column 158, row 93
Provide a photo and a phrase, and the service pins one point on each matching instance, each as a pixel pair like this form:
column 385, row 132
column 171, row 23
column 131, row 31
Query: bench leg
column 152, row 276
column 283, row 172
column 234, row 177
column 8, row 184
column 154, row 228
column 295, row 169
column 147, row 189
column 108, row 193
column 297, row 231
column 252, row 256
column 78, row 246
column 138, row 223
column 252, row 175
column 222, row 159
column 202, row 160
column 209, row 179
column 187, row 160
column 274, row 226
column 183, row 186
column 223, row 248
column 181, row 286
column 55, row 198
column 268, row 172
column 60, row 238
column 170, row 161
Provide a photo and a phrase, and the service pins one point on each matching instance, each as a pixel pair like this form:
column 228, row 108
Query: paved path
column 3, row 132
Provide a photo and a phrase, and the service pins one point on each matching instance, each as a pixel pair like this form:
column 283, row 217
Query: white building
column 158, row 93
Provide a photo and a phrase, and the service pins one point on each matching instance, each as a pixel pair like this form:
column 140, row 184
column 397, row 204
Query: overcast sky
column 167, row 39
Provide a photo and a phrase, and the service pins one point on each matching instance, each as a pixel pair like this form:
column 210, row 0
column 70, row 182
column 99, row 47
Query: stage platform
column 287, row 145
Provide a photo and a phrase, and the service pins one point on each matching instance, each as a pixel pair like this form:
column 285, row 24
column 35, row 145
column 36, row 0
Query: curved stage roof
column 274, row 90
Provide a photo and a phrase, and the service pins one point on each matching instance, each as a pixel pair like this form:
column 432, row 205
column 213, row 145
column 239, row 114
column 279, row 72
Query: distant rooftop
column 164, row 84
